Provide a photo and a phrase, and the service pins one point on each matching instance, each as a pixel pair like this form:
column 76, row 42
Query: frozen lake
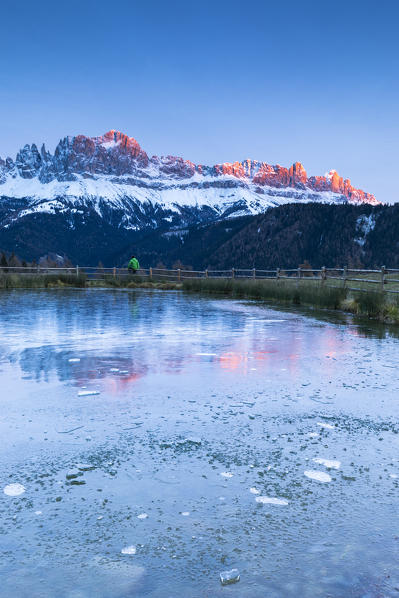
column 151, row 440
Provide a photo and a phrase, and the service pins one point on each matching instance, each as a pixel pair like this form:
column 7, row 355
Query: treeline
column 12, row 261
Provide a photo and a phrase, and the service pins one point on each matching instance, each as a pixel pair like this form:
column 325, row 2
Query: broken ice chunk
column 87, row 393
column 114, row 370
column 142, row 516
column 129, row 550
column 72, row 474
column 254, row 491
column 227, row 577
column 226, row 474
column 319, row 476
column 74, row 360
column 14, row 489
column 325, row 426
column 266, row 500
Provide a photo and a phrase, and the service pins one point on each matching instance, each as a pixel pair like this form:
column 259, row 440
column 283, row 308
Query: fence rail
column 384, row 280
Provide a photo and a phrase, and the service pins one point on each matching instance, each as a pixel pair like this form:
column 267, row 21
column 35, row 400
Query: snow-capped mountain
column 112, row 177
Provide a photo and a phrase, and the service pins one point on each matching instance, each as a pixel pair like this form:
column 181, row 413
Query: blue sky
column 314, row 81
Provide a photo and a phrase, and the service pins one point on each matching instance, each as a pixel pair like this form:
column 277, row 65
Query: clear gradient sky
column 314, row 81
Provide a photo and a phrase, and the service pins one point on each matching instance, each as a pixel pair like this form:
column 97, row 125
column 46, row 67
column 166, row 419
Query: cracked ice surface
column 123, row 491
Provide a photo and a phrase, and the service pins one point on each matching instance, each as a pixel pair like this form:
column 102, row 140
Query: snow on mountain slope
column 112, row 176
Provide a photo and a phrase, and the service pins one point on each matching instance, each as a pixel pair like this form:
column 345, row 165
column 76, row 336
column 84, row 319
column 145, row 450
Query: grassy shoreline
column 50, row 281
column 375, row 305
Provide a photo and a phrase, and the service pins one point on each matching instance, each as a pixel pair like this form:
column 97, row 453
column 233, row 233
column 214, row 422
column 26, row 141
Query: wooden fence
column 383, row 279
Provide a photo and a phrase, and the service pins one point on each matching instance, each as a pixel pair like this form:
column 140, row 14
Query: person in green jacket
column 133, row 265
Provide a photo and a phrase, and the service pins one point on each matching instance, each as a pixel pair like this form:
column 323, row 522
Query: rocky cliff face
column 115, row 177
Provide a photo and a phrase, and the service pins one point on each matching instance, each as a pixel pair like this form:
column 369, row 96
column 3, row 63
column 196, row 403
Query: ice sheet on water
column 319, row 476
column 129, row 550
column 14, row 489
column 329, row 463
column 267, row 500
column 88, row 393
column 325, row 426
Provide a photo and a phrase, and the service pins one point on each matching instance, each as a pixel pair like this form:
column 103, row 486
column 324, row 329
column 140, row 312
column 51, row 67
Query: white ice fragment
column 114, row 370
column 267, row 500
column 313, row 434
column 99, row 517
column 254, row 491
column 226, row 474
column 327, row 463
column 142, row 516
column 129, row 550
column 14, row 489
column 88, row 393
column 227, row 577
column 206, row 354
column 326, row 426
column 319, row 476
column 186, row 513
column 74, row 360
column 38, row 512
column 393, row 476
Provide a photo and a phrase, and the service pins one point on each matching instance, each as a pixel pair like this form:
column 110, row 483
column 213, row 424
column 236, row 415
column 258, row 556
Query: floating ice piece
column 38, row 512
column 74, row 360
column 114, row 370
column 226, row 474
column 393, row 476
column 129, row 550
column 227, row 577
column 254, row 491
column 88, row 393
column 14, row 489
column 72, row 474
column 186, row 513
column 142, row 516
column 266, row 500
column 313, row 434
column 326, row 426
column 123, row 371
column 327, row 463
column 206, row 354
column 319, row 476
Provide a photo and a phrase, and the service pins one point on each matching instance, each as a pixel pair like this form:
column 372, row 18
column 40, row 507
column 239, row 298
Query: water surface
column 194, row 450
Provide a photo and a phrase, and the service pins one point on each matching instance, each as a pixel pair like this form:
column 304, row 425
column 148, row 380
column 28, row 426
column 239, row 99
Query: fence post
column 178, row 274
column 150, row 273
column 323, row 274
column 206, row 273
column 232, row 273
column 114, row 272
column 344, row 276
column 382, row 278
column 77, row 271
column 278, row 273
column 298, row 276
column 253, row 273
